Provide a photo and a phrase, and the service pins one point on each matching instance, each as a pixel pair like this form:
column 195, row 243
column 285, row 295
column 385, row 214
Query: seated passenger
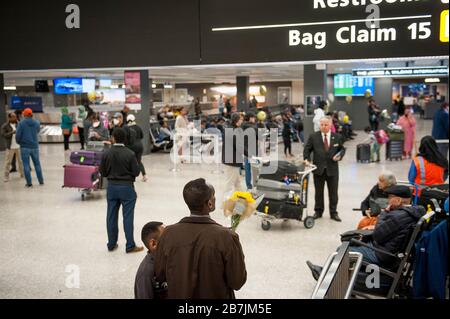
column 429, row 167
column 391, row 231
column 377, row 197
column 144, row 285
column 165, row 134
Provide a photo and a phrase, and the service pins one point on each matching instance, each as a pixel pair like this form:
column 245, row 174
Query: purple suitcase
column 89, row 158
column 79, row 176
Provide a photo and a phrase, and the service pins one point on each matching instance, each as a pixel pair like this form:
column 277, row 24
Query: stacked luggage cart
column 83, row 172
column 285, row 193
column 394, row 148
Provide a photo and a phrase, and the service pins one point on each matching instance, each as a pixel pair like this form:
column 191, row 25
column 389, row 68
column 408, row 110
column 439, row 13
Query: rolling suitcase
column 363, row 153
column 79, row 176
column 284, row 169
column 89, row 158
column 394, row 150
column 276, row 190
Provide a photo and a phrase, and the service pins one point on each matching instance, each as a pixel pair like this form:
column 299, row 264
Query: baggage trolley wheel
column 265, row 225
column 83, row 197
column 309, row 222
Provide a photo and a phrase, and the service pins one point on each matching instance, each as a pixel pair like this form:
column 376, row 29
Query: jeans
column 126, row 196
column 375, row 150
column 248, row 174
column 26, row 153
column 368, row 254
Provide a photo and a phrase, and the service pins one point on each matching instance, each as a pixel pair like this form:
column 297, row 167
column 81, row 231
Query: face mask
column 96, row 124
column 116, row 122
column 446, row 110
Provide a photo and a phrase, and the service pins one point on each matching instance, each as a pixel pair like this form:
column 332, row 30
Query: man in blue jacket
column 440, row 128
column 27, row 138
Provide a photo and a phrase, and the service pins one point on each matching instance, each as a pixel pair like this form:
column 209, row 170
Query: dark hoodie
column 393, row 230
column 27, row 133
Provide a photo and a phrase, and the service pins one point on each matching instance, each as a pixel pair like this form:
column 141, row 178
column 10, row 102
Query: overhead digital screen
column 347, row 85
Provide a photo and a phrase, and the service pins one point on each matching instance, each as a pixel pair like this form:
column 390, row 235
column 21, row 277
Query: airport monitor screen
column 68, row 85
column 348, row 85
column 73, row 85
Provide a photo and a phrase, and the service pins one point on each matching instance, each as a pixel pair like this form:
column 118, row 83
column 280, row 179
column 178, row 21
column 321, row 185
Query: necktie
column 325, row 143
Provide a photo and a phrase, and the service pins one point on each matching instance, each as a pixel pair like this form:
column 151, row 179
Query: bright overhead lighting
column 114, row 86
column 9, row 88
column 432, row 80
column 153, row 86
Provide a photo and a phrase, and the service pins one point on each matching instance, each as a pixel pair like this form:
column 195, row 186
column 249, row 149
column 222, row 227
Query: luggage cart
column 294, row 206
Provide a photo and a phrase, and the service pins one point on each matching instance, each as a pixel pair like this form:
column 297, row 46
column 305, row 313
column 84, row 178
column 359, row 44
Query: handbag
column 75, row 129
column 359, row 234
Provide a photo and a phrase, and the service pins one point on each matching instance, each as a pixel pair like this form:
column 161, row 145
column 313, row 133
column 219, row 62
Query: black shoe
column 315, row 270
column 13, row 170
column 335, row 217
column 29, row 185
column 317, row 215
column 115, row 247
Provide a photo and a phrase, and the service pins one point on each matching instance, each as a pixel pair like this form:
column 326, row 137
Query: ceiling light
column 432, row 80
column 114, row 86
column 9, row 88
column 154, row 86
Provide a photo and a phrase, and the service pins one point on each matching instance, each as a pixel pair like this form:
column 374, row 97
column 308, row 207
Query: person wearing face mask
column 8, row 131
column 408, row 124
column 391, row 233
column 97, row 132
column 441, row 128
column 198, row 258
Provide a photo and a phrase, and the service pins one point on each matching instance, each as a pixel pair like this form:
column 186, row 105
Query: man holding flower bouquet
column 198, row 258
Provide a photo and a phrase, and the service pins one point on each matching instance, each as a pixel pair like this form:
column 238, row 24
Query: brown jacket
column 199, row 259
column 8, row 133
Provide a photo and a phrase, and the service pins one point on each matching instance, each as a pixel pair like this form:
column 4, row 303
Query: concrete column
column 315, row 84
column 143, row 116
column 243, row 91
column 2, row 110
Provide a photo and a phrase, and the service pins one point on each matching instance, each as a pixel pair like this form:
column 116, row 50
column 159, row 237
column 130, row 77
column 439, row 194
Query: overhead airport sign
column 401, row 72
column 320, row 30
column 65, row 34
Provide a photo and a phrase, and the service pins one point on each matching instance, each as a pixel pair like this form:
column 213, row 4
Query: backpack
column 382, row 137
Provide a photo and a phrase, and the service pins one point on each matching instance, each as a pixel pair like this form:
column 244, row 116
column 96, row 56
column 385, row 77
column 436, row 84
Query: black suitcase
column 363, row 153
column 284, row 169
column 394, row 150
column 282, row 209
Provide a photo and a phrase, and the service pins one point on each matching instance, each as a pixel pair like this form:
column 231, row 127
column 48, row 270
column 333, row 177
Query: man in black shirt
column 145, row 285
column 119, row 165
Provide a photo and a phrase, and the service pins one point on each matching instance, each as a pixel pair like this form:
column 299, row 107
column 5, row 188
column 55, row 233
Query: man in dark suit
column 328, row 149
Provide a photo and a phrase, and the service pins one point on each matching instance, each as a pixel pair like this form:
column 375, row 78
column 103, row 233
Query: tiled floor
column 46, row 229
